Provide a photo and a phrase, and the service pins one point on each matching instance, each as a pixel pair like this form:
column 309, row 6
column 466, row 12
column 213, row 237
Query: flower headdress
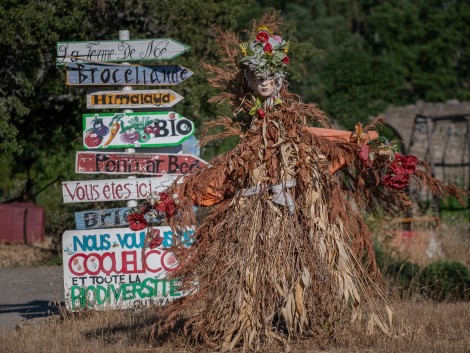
column 266, row 54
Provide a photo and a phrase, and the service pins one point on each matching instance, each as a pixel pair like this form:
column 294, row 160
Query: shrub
column 445, row 281
column 403, row 273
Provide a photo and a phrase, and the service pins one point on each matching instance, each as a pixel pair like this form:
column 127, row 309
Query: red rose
column 136, row 221
column 396, row 165
column 268, row 48
column 157, row 239
column 409, row 164
column 396, row 181
column 285, row 60
column 261, row 113
column 403, row 164
column 262, row 37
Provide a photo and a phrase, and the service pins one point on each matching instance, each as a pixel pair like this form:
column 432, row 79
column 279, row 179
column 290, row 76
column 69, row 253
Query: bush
column 380, row 255
column 403, row 273
column 445, row 281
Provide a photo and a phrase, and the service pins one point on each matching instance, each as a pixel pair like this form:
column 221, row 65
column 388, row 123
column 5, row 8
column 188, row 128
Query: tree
column 40, row 118
column 429, row 43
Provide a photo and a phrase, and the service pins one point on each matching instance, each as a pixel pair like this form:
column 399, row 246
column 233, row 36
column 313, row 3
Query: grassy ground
column 435, row 327
column 17, row 255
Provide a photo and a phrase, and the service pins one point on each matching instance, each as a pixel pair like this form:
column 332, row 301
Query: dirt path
column 25, row 293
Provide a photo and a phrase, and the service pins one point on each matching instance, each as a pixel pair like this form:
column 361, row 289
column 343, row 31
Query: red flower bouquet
column 155, row 209
column 395, row 169
column 152, row 211
column 401, row 168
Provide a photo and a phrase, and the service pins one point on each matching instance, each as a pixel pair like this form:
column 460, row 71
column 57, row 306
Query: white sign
column 142, row 129
column 119, row 50
column 114, row 190
column 106, row 269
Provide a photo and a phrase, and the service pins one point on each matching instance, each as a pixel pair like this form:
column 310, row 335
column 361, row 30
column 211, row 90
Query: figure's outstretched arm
column 211, row 195
column 340, row 135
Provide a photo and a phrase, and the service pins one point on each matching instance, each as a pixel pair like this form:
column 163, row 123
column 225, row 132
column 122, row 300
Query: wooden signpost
column 93, row 219
column 119, row 50
column 162, row 98
column 108, row 269
column 136, row 163
column 114, row 190
column 122, row 130
column 125, row 75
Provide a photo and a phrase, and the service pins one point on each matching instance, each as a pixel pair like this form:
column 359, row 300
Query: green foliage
column 428, row 42
column 380, row 255
column 445, row 280
column 403, row 273
column 439, row 280
column 375, row 53
column 358, row 86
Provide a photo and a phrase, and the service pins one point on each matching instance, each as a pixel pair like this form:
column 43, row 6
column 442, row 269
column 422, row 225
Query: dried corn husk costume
column 284, row 252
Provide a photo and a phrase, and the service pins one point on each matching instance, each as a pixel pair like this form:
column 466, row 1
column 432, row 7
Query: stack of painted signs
column 104, row 265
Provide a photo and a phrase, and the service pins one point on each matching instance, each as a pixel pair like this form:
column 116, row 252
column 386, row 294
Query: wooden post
column 435, row 198
column 124, row 35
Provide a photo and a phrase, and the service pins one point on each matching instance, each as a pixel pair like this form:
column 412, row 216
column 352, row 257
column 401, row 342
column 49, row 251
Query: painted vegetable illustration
column 130, row 136
column 148, row 129
column 138, row 130
column 152, row 128
column 92, row 139
column 114, row 128
column 99, row 128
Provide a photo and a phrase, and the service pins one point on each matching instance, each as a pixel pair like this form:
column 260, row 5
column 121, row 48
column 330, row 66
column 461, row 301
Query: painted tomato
column 92, row 139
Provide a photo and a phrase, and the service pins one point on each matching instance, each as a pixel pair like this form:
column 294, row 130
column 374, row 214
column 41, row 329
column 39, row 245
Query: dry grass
column 18, row 255
column 436, row 327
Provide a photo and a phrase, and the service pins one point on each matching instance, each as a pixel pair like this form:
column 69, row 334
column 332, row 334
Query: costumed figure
column 284, row 251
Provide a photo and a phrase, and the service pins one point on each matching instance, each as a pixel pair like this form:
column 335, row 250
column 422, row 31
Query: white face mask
column 264, row 87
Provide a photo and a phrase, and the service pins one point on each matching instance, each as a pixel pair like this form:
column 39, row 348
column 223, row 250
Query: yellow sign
column 163, row 98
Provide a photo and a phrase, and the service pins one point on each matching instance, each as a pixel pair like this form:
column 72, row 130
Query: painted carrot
column 114, row 130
